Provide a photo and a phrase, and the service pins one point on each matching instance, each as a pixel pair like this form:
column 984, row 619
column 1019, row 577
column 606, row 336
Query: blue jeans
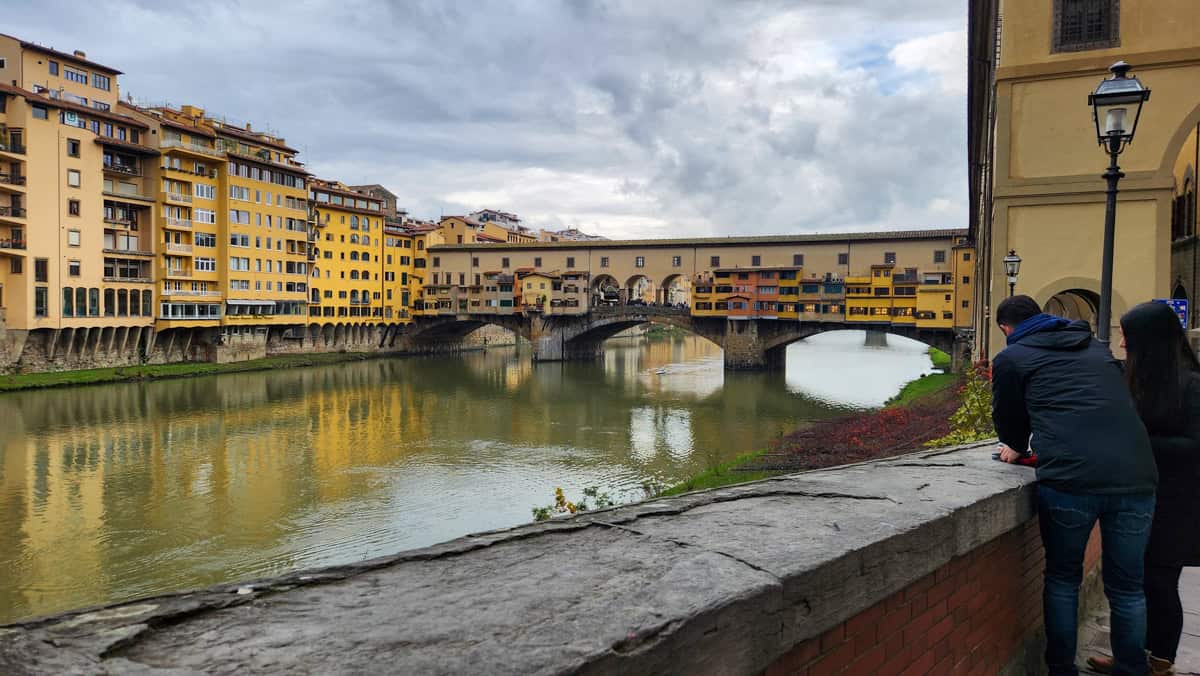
column 1066, row 521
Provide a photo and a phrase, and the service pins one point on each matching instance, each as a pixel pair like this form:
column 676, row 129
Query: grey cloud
column 627, row 116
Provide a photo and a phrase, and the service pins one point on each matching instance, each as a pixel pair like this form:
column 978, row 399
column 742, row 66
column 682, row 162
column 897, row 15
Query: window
column 204, row 191
column 73, row 178
column 40, row 113
column 843, row 259
column 16, row 266
column 714, row 261
column 639, row 262
column 68, row 301
column 889, row 258
column 41, row 301
column 53, row 67
column 41, row 270
column 966, row 256
column 1086, row 24
column 756, row 260
column 570, row 262
column 206, row 265
column 437, row 262
column 604, row 261
column 73, row 207
column 966, row 279
column 939, row 256
column 94, row 302
column 75, row 75
column 537, row 262
column 966, row 304
column 72, row 238
column 503, row 262
column 797, row 259
column 73, row 147
column 676, row 261
column 474, row 261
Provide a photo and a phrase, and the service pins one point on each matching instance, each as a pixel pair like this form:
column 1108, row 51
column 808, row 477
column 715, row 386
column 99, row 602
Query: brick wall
column 975, row 615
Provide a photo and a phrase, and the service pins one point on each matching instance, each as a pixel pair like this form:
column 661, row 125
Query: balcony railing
column 130, row 280
column 12, row 212
column 12, row 244
column 125, row 194
column 10, row 147
column 129, row 252
column 178, row 222
column 123, row 169
column 12, row 179
column 113, row 220
column 188, row 292
column 179, row 197
column 179, row 273
column 179, row 248
column 194, row 147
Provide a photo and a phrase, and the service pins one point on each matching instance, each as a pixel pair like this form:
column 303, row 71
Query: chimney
column 248, row 126
column 80, row 53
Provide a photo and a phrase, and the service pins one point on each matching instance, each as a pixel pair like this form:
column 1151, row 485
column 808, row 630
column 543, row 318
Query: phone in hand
column 1027, row 459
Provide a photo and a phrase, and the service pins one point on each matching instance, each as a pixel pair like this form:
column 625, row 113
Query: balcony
column 172, row 222
column 11, row 179
column 130, row 280
column 123, row 222
column 179, row 248
column 186, row 274
column 192, row 147
column 6, row 243
column 123, row 169
column 12, row 212
column 10, row 147
column 129, row 252
column 188, row 292
column 127, row 195
column 179, row 197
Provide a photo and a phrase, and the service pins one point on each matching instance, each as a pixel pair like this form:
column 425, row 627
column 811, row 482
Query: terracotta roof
column 254, row 137
column 68, row 105
column 66, row 56
column 194, row 130
column 269, row 163
column 125, row 145
column 832, row 238
column 488, row 238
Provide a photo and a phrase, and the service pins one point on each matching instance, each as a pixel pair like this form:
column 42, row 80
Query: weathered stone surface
column 723, row 581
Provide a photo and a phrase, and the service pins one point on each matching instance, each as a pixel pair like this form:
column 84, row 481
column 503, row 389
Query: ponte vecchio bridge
column 753, row 296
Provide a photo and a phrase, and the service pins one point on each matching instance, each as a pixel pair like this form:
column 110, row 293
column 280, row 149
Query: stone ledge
column 722, row 581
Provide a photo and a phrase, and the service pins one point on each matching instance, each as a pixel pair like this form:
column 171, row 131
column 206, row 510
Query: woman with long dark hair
column 1164, row 377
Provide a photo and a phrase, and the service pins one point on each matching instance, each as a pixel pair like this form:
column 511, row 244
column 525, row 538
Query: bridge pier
column 876, row 338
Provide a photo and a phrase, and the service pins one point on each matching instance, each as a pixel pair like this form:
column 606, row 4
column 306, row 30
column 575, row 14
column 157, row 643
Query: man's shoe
column 1161, row 667
column 1100, row 665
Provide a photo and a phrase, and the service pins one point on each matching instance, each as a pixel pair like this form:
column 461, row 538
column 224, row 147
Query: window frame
column 1057, row 45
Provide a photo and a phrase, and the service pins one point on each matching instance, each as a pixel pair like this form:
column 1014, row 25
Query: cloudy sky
column 628, row 118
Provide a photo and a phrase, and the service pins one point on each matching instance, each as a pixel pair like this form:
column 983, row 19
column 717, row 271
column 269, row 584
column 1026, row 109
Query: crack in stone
column 926, row 464
column 685, row 544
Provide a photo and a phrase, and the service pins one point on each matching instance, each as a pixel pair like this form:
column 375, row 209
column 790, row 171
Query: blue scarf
column 1040, row 322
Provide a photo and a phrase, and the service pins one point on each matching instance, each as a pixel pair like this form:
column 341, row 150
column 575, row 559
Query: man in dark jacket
column 1058, row 391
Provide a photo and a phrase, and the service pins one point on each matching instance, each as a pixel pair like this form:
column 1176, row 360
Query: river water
column 112, row 492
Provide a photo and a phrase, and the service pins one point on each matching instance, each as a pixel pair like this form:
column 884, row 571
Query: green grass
column 941, row 360
column 28, row 381
column 725, row 474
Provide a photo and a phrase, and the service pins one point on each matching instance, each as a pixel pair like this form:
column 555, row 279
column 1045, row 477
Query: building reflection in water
column 117, row 491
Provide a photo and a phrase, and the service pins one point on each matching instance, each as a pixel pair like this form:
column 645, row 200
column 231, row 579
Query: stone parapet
column 810, row 573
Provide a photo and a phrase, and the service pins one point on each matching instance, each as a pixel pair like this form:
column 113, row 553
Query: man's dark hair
column 1013, row 311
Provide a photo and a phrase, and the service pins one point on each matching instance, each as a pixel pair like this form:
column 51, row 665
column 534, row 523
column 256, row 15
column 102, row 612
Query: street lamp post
column 1012, row 268
column 1110, row 112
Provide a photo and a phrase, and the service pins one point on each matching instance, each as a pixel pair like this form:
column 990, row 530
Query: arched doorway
column 1074, row 304
column 639, row 289
column 675, row 290
column 606, row 290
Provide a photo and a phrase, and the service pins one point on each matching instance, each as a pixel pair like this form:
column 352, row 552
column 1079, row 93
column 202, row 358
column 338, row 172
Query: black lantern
column 1117, row 107
column 1012, row 268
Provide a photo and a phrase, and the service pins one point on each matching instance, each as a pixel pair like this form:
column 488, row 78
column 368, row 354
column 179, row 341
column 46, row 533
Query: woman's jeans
column 1164, row 611
column 1066, row 521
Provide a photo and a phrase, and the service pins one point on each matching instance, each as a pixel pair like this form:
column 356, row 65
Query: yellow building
column 537, row 289
column 76, row 214
column 188, row 217
column 1036, row 166
column 266, row 253
column 349, row 279
column 400, row 285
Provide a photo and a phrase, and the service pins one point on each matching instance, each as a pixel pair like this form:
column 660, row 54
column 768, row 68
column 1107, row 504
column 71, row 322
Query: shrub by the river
column 562, row 506
column 973, row 419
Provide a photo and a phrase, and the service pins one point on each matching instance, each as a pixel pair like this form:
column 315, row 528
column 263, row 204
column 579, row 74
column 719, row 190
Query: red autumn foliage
column 863, row 436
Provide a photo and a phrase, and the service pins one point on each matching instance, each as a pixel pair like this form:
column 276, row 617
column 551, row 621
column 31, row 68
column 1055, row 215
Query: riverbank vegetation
column 938, row 408
column 29, row 381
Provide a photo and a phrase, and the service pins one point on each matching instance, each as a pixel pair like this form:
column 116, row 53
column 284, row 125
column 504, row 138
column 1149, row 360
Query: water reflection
column 118, row 491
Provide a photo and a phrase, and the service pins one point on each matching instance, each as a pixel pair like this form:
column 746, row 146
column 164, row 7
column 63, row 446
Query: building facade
column 1036, row 166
